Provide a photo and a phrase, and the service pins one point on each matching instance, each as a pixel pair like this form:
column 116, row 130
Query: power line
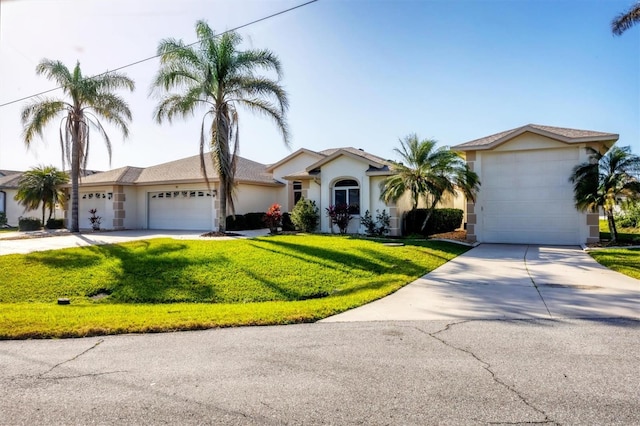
column 156, row 56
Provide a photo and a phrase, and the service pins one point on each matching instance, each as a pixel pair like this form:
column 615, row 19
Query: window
column 297, row 191
column 347, row 192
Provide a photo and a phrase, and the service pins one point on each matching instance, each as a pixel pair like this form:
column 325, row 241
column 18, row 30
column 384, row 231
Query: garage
column 184, row 210
column 527, row 197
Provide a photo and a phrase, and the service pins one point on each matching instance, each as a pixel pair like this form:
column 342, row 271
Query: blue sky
column 359, row 73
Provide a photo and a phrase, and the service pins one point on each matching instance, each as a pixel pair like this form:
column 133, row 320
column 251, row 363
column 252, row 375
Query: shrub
column 254, row 220
column 630, row 216
column 441, row 220
column 3, row 219
column 29, row 224
column 95, row 219
column 305, row 215
column 287, row 224
column 378, row 227
column 236, row 224
column 55, row 223
column 340, row 215
column 273, row 218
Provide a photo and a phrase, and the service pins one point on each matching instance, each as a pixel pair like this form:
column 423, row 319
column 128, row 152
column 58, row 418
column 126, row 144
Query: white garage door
column 92, row 200
column 190, row 210
column 527, row 197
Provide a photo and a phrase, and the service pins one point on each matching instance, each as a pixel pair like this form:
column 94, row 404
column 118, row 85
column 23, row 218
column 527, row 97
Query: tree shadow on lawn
column 142, row 273
column 333, row 258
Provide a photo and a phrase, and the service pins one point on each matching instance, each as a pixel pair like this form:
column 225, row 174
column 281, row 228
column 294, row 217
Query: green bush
column 287, row 224
column 630, row 216
column 55, row 223
column 29, row 224
column 254, row 220
column 441, row 220
column 305, row 215
column 236, row 224
column 378, row 227
column 3, row 219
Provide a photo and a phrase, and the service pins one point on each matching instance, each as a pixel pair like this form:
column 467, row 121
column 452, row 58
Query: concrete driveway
column 9, row 245
column 495, row 281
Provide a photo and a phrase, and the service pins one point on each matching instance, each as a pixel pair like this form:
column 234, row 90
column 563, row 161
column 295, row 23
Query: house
column 526, row 195
column 174, row 195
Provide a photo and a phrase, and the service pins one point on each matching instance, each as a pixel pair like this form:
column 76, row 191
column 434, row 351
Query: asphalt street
column 415, row 372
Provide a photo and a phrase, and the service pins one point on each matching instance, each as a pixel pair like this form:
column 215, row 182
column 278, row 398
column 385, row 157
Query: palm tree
column 218, row 78
column 428, row 173
column 626, row 20
column 87, row 99
column 41, row 185
column 604, row 179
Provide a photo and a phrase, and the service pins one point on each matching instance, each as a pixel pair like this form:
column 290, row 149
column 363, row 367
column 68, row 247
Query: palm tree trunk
column 44, row 206
column 222, row 212
column 429, row 212
column 75, row 175
column 612, row 226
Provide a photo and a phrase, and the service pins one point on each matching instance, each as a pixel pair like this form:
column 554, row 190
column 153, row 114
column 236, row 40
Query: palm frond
column 269, row 110
column 37, row 114
column 626, row 20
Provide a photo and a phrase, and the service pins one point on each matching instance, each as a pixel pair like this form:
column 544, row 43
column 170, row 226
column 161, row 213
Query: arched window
column 347, row 191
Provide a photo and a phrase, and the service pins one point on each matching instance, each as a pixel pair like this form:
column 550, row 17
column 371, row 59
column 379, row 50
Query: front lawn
column 165, row 284
column 625, row 261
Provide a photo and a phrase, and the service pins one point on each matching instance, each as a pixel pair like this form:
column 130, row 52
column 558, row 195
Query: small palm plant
column 41, row 186
column 604, row 180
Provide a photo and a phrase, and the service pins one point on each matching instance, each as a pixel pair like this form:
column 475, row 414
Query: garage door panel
column 526, row 197
column 184, row 210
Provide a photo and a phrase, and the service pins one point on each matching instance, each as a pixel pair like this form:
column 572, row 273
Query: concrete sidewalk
column 495, row 281
column 67, row 240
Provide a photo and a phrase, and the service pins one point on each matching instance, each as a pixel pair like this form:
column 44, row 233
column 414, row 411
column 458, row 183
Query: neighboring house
column 9, row 188
column 174, row 195
column 526, row 196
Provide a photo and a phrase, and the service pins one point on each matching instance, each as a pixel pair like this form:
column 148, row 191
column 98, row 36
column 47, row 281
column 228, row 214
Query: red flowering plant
column 340, row 216
column 273, row 218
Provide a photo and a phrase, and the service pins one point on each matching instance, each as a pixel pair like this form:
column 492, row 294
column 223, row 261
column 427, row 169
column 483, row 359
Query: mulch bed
column 455, row 235
column 214, row 234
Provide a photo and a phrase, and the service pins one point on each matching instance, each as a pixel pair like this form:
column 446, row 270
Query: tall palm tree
column 216, row 77
column 626, row 20
column 428, row 173
column 88, row 99
column 41, row 185
column 604, row 179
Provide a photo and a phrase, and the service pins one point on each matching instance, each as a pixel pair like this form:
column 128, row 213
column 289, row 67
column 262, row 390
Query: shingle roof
column 10, row 181
column 560, row 133
column 121, row 176
column 8, row 172
column 188, row 169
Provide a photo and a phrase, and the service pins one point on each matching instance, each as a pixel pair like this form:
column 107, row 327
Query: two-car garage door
column 189, row 210
column 526, row 197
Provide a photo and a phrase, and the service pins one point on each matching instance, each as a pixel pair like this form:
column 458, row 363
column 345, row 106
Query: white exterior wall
column 343, row 168
column 15, row 211
column 297, row 164
column 257, row 198
column 104, row 206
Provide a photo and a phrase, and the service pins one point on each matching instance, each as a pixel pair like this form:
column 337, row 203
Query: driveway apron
column 499, row 281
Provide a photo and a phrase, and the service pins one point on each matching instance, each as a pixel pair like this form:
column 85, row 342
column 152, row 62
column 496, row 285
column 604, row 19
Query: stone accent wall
column 395, row 222
column 118, row 207
column 471, row 211
column 593, row 221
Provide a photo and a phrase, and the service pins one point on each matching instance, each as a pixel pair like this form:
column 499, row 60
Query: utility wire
column 156, row 56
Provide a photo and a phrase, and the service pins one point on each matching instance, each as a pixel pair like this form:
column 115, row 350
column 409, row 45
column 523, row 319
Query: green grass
column 164, row 284
column 625, row 261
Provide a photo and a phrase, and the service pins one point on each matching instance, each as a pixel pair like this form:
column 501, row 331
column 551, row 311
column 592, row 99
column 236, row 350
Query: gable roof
column 374, row 161
column 563, row 134
column 293, row 155
column 8, row 172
